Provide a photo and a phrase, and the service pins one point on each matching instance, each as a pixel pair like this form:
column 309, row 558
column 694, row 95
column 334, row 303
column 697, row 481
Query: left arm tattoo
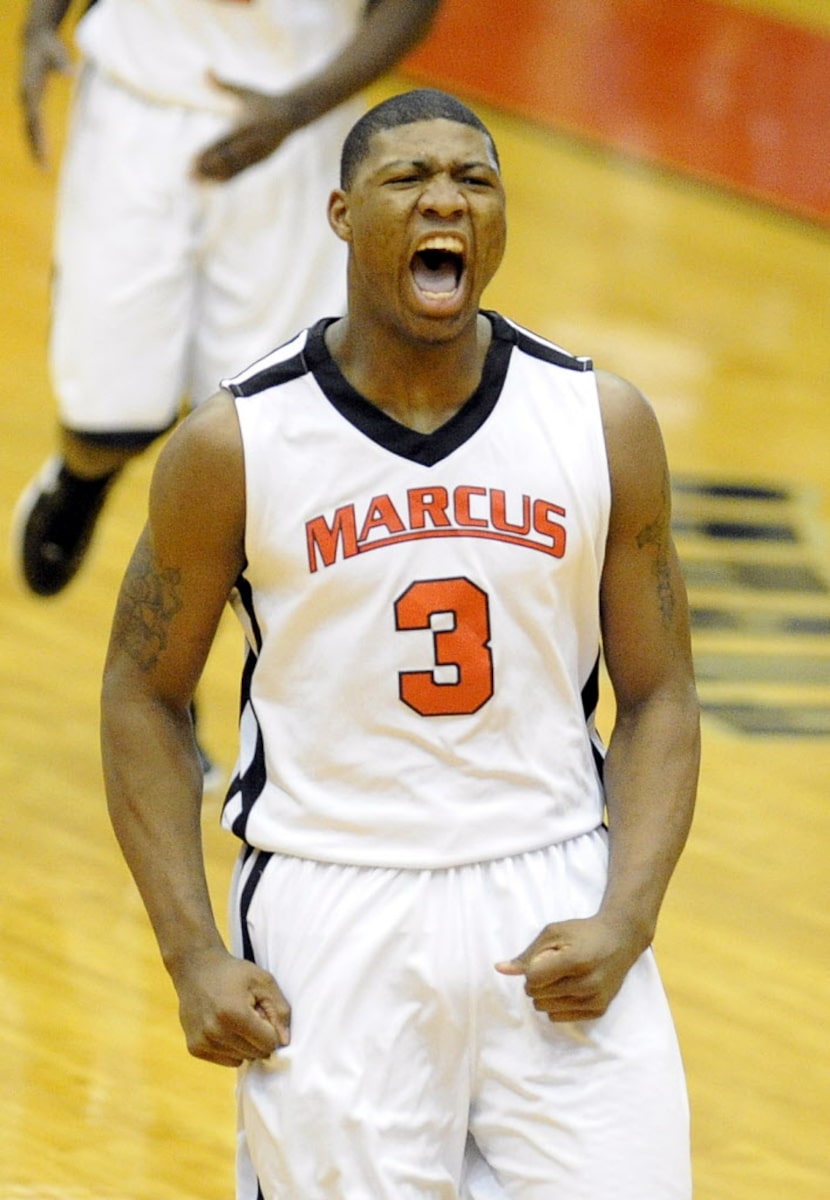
column 657, row 534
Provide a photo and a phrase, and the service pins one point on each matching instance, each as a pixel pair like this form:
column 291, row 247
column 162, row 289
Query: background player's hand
column 574, row 969
column 43, row 53
column 230, row 1009
column 264, row 124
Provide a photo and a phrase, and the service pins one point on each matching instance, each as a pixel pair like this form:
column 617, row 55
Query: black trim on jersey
column 599, row 761
column 590, row 700
column 424, row 448
column 275, row 373
column 250, row 783
column 537, row 346
column 246, row 599
column 590, row 692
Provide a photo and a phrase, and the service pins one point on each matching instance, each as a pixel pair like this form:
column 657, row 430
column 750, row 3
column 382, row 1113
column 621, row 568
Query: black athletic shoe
column 53, row 525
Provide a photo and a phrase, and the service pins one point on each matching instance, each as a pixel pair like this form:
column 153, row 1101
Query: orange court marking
column 728, row 95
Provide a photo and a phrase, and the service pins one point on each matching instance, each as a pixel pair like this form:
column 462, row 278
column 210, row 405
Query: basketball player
column 190, row 233
column 428, row 519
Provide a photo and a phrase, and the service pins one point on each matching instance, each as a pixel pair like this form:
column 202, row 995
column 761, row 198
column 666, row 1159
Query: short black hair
column 423, row 104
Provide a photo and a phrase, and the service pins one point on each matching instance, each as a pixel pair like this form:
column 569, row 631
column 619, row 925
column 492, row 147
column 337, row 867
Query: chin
column 439, row 327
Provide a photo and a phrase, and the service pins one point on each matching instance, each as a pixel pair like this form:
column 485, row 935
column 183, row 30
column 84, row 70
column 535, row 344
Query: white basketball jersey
column 421, row 612
column 164, row 49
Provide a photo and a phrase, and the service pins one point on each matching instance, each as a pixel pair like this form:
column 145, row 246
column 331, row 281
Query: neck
column 419, row 384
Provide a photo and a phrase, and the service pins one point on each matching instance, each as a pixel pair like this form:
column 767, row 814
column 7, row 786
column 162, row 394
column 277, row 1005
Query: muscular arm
column 390, row 29
column 174, row 591
column 574, row 968
column 652, row 764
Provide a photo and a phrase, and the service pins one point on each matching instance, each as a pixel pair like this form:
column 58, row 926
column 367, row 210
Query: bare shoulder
column 202, row 463
column 210, row 433
column 645, row 615
column 634, row 444
column 197, row 494
column 627, row 414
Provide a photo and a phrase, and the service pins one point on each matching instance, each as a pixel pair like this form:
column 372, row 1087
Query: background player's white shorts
column 404, row 1036
column 164, row 285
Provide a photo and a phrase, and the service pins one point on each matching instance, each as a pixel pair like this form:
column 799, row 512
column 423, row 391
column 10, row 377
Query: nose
column 442, row 197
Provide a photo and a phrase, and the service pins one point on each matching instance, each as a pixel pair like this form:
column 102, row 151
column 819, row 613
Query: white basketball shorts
column 404, row 1038
column 164, row 284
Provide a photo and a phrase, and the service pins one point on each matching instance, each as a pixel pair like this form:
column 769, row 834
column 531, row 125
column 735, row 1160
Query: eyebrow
column 427, row 164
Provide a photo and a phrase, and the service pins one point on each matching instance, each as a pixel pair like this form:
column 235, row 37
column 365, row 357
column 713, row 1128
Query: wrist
column 180, row 961
column 635, row 926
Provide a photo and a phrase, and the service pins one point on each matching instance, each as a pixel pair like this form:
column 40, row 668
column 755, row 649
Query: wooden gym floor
column 717, row 306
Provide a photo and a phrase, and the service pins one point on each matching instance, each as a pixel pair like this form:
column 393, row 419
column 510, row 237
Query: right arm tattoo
column 149, row 600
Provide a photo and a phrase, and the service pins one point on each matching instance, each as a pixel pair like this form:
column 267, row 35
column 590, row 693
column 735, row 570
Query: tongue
column 435, row 279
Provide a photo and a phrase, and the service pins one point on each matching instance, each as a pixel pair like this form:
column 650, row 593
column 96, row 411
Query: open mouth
column 438, row 265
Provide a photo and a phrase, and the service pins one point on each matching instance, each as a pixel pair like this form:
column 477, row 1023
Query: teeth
column 452, row 245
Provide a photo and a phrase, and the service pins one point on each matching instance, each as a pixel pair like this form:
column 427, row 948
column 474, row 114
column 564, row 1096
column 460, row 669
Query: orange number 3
column 458, row 614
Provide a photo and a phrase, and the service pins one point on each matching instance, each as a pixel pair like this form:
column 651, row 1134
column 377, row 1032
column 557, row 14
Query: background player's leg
column 122, row 302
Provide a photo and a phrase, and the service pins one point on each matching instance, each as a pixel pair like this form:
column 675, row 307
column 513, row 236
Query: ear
column 338, row 213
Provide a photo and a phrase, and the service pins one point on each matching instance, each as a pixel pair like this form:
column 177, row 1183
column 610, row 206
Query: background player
column 421, row 799
column 189, row 232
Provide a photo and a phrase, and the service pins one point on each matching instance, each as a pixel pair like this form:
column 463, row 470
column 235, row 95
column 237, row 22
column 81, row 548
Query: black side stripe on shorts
column 261, row 858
